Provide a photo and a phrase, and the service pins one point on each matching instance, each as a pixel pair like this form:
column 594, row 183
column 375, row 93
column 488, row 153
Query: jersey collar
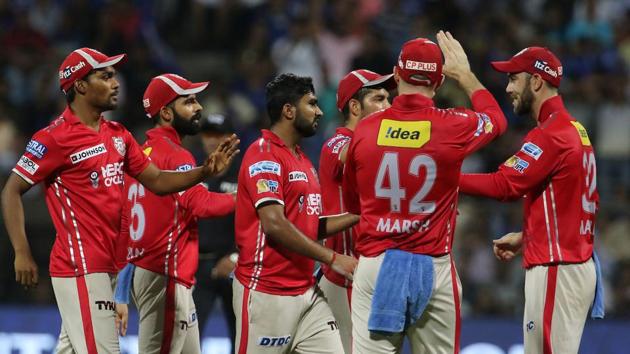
column 71, row 118
column 344, row 131
column 412, row 102
column 164, row 131
column 274, row 139
column 549, row 107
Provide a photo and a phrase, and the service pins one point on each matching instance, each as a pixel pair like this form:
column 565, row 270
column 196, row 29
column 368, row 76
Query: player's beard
column 186, row 126
column 524, row 106
column 305, row 127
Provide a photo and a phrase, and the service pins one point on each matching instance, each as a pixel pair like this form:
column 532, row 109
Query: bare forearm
column 333, row 224
column 166, row 182
column 287, row 235
column 469, row 83
column 13, row 214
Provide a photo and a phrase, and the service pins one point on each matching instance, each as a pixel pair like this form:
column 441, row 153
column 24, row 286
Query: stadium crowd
column 241, row 45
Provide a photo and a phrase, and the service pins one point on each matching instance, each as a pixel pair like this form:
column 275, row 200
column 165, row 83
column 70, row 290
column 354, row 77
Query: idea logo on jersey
column 404, row 134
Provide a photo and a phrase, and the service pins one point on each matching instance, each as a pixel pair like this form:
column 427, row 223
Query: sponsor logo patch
column 295, row 176
column 69, row 70
column 88, row 153
column 113, row 173
column 421, row 66
column 183, row 168
column 119, row 144
column 94, row 179
column 583, row 134
column 36, row 149
column 266, row 185
column 28, row 165
column 264, row 167
column 517, row 163
column 274, row 341
column 543, row 66
column 314, row 204
column 484, row 124
column 532, row 150
column 404, row 134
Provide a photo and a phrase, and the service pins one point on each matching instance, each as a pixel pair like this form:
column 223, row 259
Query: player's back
column 406, row 162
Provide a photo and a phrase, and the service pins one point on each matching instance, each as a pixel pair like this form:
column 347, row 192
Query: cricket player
column 162, row 234
column 278, row 307
column 401, row 174
column 360, row 93
column 81, row 158
column 555, row 172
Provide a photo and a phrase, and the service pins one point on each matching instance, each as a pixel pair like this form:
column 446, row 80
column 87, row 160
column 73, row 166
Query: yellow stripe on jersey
column 583, row 134
column 404, row 134
column 147, row 151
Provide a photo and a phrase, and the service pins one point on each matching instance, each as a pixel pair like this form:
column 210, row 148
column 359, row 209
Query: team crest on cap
column 119, row 144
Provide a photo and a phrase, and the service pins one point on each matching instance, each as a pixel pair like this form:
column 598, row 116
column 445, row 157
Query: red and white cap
column 357, row 79
column 81, row 61
column 163, row 89
column 533, row 60
column 420, row 62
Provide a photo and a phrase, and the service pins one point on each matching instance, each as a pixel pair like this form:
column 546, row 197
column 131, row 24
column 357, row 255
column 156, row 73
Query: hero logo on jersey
column 184, row 168
column 28, row 165
column 295, row 176
column 94, row 179
column 266, row 185
column 314, row 204
column 532, row 150
column 119, row 144
column 36, row 149
column 274, row 341
column 517, row 163
column 113, row 173
column 264, row 167
column 403, row 134
column 88, row 153
column 484, row 124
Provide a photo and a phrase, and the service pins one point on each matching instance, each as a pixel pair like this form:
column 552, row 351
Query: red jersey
column 272, row 172
column 402, row 171
column 555, row 171
column 160, row 232
column 330, row 177
column 82, row 170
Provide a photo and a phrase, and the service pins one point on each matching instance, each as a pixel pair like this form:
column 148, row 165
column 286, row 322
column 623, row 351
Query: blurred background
column 239, row 45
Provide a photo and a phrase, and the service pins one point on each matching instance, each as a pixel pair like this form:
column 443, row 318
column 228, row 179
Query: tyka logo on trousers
column 105, row 305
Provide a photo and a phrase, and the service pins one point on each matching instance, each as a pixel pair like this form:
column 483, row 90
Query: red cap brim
column 387, row 81
column 506, row 66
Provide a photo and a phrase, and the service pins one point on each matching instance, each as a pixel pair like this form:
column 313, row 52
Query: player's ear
column 166, row 114
column 536, row 82
column 80, row 86
column 288, row 111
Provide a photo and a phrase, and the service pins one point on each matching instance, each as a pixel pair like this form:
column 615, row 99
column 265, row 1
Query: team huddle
column 378, row 216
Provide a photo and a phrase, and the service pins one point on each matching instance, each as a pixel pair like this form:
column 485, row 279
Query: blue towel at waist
column 403, row 289
column 123, row 284
column 597, row 311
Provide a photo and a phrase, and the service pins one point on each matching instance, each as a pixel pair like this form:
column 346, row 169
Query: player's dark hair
column 359, row 96
column 70, row 94
column 283, row 89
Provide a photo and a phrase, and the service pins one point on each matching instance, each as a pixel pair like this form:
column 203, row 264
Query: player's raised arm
column 13, row 214
column 163, row 182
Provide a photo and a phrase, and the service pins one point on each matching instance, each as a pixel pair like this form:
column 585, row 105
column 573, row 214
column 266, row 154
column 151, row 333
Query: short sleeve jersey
column 402, row 171
column 555, row 171
column 271, row 172
column 330, row 177
column 83, row 172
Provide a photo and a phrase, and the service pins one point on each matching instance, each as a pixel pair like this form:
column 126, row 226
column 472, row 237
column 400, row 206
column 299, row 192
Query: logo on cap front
column 543, row 66
column 69, row 70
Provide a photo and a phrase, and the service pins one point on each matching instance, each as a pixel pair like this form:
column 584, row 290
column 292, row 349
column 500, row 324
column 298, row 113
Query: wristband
column 333, row 258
